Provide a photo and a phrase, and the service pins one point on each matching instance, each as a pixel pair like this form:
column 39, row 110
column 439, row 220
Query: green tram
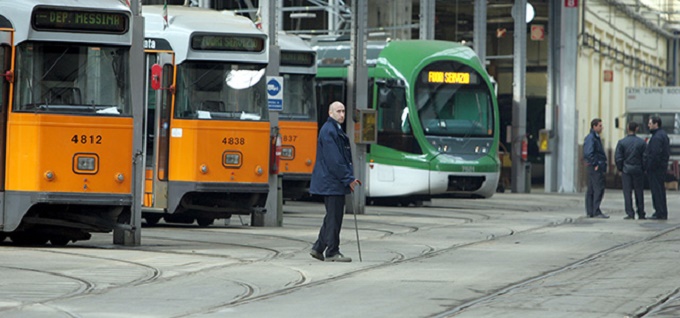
column 437, row 118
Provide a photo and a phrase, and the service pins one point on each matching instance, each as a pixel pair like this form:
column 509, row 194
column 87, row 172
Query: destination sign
column 451, row 77
column 227, row 43
column 297, row 58
column 52, row 19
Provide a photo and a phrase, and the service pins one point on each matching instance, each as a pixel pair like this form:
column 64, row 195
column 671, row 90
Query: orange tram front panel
column 298, row 140
column 207, row 151
column 69, row 154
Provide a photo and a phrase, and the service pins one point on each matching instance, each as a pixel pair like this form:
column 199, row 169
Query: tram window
column 456, row 111
column 237, row 92
column 298, row 98
column 64, row 96
column 81, row 79
column 394, row 129
column 328, row 91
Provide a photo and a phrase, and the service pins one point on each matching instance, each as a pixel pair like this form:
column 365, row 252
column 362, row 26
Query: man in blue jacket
column 655, row 160
column 332, row 178
column 596, row 163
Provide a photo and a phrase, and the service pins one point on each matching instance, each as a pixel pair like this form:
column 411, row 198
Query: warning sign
column 537, row 32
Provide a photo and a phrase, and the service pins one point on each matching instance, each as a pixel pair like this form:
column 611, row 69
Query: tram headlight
column 120, row 177
column 85, row 163
column 287, row 152
column 232, row 159
column 481, row 149
column 204, row 169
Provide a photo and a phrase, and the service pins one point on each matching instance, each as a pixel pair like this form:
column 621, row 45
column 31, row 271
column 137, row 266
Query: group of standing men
column 635, row 159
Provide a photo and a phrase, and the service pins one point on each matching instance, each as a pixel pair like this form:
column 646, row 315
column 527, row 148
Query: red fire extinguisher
column 275, row 153
column 525, row 148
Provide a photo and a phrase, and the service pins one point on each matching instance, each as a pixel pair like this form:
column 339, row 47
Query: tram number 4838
column 234, row 141
column 85, row 139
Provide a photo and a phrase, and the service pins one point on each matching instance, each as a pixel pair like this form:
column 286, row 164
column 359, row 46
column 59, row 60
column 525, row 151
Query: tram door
column 329, row 91
column 159, row 98
column 6, row 77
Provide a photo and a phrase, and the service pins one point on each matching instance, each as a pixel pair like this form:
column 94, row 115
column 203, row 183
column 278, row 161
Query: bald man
column 332, row 178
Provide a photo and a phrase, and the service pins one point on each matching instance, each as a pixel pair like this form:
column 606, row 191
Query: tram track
column 85, row 287
column 555, row 272
column 401, row 258
column 251, row 291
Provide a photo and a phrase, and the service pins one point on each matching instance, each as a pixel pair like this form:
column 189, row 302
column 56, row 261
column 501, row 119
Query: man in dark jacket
column 596, row 163
column 628, row 158
column 332, row 178
column 655, row 161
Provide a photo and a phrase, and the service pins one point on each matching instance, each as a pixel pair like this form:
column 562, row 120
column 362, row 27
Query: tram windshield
column 72, row 79
column 452, row 100
column 298, row 98
column 211, row 90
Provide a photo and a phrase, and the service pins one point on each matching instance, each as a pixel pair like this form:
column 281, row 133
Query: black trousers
column 634, row 182
column 656, row 184
column 595, row 191
column 329, row 235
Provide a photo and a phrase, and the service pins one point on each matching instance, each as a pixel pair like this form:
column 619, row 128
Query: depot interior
column 454, row 21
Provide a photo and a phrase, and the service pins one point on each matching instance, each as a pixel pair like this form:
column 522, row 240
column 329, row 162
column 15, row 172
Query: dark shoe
column 628, row 217
column 601, row 216
column 641, row 217
column 654, row 217
column 338, row 258
column 316, row 255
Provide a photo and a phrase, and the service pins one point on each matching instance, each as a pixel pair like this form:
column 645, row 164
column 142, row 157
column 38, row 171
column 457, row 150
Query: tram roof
column 336, row 53
column 416, row 50
column 290, row 42
column 295, row 44
column 19, row 14
column 185, row 21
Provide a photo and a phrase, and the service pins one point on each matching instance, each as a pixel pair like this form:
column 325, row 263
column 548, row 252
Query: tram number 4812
column 85, row 139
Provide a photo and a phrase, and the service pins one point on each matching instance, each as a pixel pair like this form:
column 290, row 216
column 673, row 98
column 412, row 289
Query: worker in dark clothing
column 655, row 161
column 596, row 163
column 628, row 158
column 332, row 178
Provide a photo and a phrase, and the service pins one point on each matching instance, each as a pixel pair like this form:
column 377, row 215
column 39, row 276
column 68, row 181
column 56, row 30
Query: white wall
column 594, row 96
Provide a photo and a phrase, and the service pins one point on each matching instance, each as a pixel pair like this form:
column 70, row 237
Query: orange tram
column 297, row 120
column 66, row 124
column 207, row 144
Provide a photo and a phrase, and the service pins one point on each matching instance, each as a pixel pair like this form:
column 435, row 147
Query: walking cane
column 356, row 229
column 356, row 226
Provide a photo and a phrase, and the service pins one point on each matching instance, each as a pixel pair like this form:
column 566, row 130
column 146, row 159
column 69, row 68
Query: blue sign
column 275, row 92
column 273, row 87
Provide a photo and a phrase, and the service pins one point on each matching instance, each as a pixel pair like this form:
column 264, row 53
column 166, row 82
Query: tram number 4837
column 85, row 139
column 289, row 138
